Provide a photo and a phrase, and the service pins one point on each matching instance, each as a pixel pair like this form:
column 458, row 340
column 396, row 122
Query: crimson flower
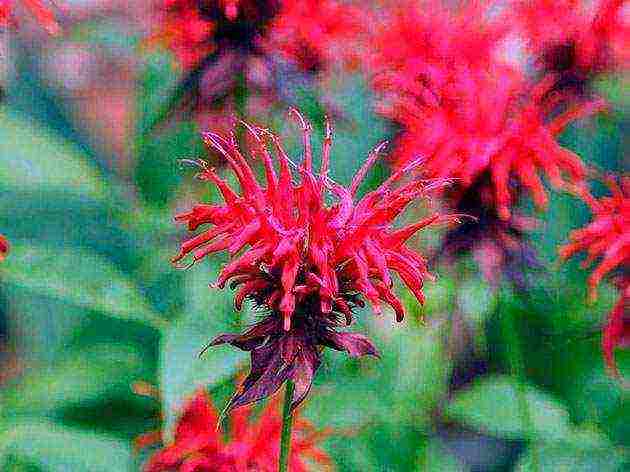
column 193, row 29
column 252, row 445
column 591, row 39
column 270, row 44
column 315, row 33
column 37, row 8
column 467, row 111
column 499, row 246
column 607, row 239
column 307, row 262
column 4, row 247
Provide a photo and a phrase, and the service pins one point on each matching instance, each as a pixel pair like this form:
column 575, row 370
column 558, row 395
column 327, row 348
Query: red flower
column 305, row 260
column 590, row 38
column 466, row 111
column 252, row 445
column 607, row 238
column 315, row 33
column 40, row 12
column 4, row 247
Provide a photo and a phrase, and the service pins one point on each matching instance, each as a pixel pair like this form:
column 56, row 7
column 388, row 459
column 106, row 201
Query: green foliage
column 90, row 305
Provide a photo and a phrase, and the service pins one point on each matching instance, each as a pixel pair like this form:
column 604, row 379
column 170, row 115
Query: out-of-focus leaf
column 156, row 86
column 157, row 171
column 32, row 158
column 57, row 448
column 416, row 359
column 584, row 452
column 80, row 278
column 433, row 456
column 79, row 376
column 209, row 312
column 492, row 405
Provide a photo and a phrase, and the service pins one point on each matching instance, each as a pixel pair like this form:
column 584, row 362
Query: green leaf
column 78, row 377
column 80, row 278
column 57, row 448
column 434, row 456
column 209, row 313
column 157, row 171
column 33, row 158
column 492, row 406
column 571, row 457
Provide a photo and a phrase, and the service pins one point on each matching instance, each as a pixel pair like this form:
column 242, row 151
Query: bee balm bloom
column 36, row 8
column 251, row 446
column 4, row 247
column 307, row 261
column 607, row 238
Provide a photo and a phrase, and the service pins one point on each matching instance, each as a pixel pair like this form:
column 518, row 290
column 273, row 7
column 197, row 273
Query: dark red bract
column 307, row 261
column 252, row 445
column 607, row 239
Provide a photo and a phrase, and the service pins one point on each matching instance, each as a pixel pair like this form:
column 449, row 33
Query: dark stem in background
column 514, row 355
column 287, row 423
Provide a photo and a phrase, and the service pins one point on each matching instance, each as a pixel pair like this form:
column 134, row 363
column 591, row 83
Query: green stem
column 517, row 367
column 287, row 423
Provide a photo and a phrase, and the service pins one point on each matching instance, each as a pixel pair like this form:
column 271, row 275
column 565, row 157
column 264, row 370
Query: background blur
column 93, row 315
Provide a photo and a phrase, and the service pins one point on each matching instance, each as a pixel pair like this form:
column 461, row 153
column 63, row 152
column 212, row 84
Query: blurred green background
column 90, row 305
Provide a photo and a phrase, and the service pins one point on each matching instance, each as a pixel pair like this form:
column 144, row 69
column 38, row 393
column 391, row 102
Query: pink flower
column 607, row 239
column 307, row 261
column 4, row 247
column 40, row 12
column 252, row 445
column 590, row 38
column 468, row 112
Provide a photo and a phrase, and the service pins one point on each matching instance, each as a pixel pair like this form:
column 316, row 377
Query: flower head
column 4, row 247
column 589, row 40
column 499, row 245
column 252, row 444
column 314, row 33
column 307, row 261
column 193, row 29
column 607, row 239
column 467, row 111
column 37, row 8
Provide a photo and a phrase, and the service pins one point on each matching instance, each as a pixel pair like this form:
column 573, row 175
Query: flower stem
column 517, row 367
column 287, row 423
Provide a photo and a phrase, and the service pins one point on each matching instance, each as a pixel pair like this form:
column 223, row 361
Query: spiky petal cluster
column 193, row 29
column 252, row 444
column 315, row 33
column 607, row 239
column 467, row 110
column 37, row 8
column 307, row 261
column 591, row 38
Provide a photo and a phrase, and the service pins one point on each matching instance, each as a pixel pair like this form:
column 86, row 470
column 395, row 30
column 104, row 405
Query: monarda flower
column 499, row 246
column 36, row 8
column 492, row 123
column 4, row 247
column 468, row 111
column 607, row 239
column 306, row 261
column 195, row 29
column 590, row 39
column 252, row 445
